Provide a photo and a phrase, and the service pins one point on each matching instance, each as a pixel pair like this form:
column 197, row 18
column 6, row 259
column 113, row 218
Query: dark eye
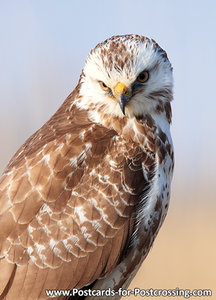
column 143, row 76
column 103, row 86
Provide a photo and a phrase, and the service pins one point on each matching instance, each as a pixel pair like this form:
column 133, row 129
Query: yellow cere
column 121, row 88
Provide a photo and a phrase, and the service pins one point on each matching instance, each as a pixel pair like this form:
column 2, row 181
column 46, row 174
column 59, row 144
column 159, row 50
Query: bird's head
column 128, row 76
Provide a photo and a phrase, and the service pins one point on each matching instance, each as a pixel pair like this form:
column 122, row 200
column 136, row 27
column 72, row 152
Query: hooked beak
column 122, row 94
column 123, row 100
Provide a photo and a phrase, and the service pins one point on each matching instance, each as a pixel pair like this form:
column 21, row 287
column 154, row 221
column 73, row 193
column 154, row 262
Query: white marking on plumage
column 81, row 135
column 68, row 136
column 46, row 158
column 56, row 251
column 109, row 200
column 81, row 214
column 110, row 183
column 45, row 209
column 105, row 216
column 73, row 161
column 39, row 248
column 92, row 172
column 30, row 229
column 113, row 164
column 53, row 243
column 67, row 245
column 96, row 225
column 60, row 146
column 29, row 250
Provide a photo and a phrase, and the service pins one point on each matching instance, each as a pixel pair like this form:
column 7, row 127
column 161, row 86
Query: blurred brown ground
column 184, row 253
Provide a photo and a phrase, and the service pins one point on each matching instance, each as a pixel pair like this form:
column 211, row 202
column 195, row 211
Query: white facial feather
column 138, row 54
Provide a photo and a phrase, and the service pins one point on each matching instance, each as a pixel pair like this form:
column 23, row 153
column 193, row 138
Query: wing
column 67, row 201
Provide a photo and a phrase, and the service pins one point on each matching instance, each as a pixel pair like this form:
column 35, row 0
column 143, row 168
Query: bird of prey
column 83, row 199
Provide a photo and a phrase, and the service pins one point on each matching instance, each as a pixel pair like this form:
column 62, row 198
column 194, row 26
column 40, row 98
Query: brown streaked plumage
column 83, row 199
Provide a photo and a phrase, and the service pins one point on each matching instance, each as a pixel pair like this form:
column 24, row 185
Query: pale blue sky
column 43, row 46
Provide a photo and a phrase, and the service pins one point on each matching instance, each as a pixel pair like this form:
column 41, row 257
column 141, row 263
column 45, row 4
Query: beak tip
column 123, row 102
column 122, row 109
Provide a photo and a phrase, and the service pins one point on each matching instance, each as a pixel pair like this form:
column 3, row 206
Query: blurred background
column 43, row 46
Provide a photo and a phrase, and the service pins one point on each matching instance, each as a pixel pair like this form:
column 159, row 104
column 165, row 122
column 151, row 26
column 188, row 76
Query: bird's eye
column 103, row 86
column 143, row 76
